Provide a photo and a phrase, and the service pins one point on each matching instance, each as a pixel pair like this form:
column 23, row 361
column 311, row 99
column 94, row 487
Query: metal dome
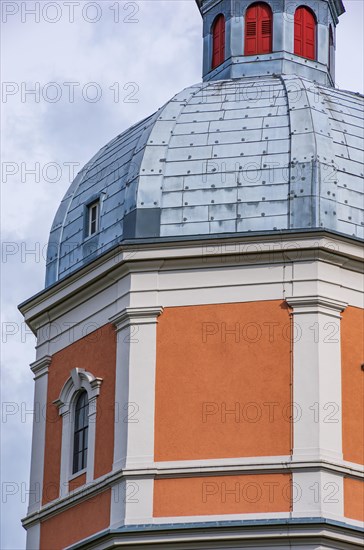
column 263, row 154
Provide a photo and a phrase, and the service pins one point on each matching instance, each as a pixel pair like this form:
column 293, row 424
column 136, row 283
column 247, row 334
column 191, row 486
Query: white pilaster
column 135, row 386
column 40, row 370
column 33, row 537
column 317, row 409
column 318, row 494
column 132, row 501
column 135, row 403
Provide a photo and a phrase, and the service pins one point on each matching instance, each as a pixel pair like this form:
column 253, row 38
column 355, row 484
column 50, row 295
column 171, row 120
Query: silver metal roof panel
column 269, row 153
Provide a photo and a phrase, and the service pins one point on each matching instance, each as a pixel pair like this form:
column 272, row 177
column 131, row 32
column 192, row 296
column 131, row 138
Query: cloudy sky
column 75, row 74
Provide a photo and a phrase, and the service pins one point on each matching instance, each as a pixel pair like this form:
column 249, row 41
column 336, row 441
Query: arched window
column 305, row 33
column 80, row 435
column 258, row 29
column 77, row 405
column 218, row 41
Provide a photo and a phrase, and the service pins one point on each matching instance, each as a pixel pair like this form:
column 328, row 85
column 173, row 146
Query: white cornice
column 196, row 468
column 234, row 251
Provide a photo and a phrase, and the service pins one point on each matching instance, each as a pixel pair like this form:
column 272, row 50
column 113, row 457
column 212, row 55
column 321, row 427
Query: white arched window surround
column 80, row 380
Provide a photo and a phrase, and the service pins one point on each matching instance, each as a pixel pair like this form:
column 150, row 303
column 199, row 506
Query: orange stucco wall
column 354, row 499
column 95, row 353
column 352, row 345
column 241, row 494
column 76, row 523
column 203, row 372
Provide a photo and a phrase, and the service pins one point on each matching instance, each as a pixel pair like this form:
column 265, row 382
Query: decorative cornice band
column 316, row 304
column 136, row 316
column 238, row 249
column 257, row 466
column 41, row 366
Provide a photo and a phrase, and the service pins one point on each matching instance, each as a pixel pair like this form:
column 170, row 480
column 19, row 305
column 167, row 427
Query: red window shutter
column 266, row 35
column 251, row 42
column 218, row 41
column 305, row 33
column 258, row 29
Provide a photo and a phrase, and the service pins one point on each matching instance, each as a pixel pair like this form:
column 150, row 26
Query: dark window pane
column 93, row 218
column 76, row 448
column 80, row 438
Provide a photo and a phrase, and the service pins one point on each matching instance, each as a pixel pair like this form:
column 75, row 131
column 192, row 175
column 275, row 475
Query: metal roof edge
column 279, row 522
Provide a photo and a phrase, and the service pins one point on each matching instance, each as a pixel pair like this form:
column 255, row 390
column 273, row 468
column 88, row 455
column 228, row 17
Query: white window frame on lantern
column 80, row 380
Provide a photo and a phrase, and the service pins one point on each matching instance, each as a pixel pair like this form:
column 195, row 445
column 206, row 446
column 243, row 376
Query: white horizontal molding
column 194, row 468
column 219, row 517
column 238, row 250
